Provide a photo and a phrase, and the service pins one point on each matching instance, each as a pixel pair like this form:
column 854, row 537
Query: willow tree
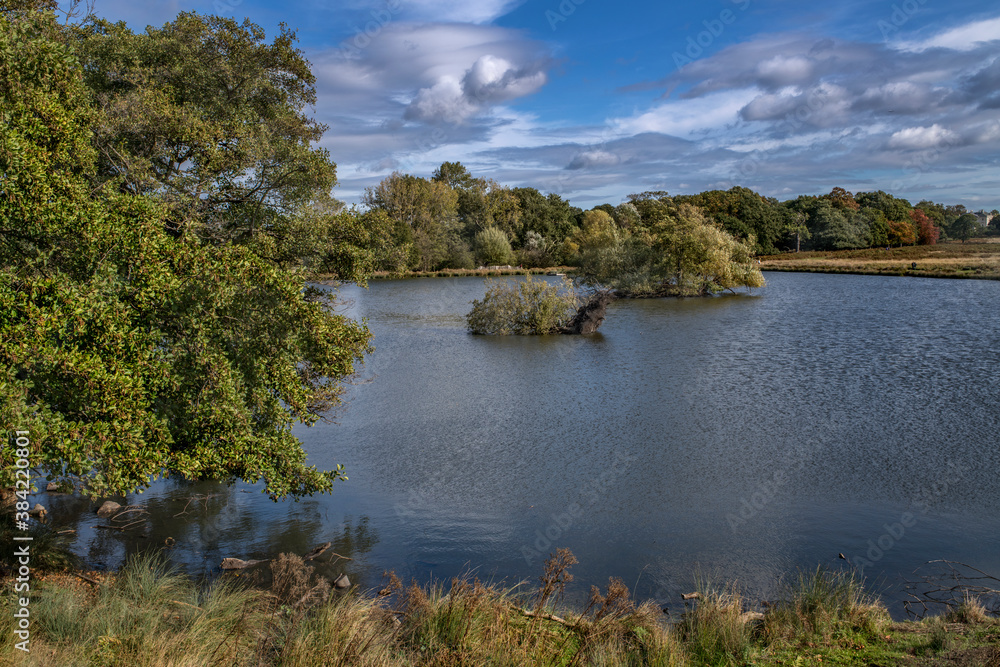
column 130, row 349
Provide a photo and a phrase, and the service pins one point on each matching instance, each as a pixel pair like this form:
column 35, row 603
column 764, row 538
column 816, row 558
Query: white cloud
column 688, row 117
column 920, row 138
column 962, row 38
column 442, row 101
column 493, row 79
column 490, row 80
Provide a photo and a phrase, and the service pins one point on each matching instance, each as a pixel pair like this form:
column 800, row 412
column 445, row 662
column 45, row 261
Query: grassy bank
column 148, row 615
column 975, row 259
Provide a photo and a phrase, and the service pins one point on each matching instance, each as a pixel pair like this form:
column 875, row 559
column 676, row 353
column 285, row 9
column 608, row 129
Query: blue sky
column 594, row 99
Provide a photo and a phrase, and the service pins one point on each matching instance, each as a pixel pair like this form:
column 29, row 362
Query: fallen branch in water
column 949, row 588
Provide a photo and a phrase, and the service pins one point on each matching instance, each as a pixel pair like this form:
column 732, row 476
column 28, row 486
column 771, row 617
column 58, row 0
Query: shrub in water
column 523, row 307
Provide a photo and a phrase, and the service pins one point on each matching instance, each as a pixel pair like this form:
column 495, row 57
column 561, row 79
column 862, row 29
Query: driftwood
column 237, row 564
column 88, row 579
column 590, row 315
column 948, row 586
column 317, row 551
column 547, row 617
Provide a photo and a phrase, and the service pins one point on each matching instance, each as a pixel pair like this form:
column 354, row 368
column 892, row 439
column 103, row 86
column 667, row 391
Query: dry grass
column 715, row 631
column 148, row 615
column 821, row 603
column 971, row 612
column 151, row 616
column 952, row 260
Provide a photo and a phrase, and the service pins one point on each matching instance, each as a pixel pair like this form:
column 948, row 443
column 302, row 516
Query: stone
column 109, row 508
column 59, row 487
column 38, row 510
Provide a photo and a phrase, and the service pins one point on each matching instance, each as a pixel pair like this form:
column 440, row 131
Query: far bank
column 979, row 259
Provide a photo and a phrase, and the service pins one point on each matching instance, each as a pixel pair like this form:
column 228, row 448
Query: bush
column 523, row 308
column 493, row 247
column 459, row 257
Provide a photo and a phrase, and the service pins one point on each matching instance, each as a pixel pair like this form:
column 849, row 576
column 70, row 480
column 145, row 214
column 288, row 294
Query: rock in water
column 109, row 508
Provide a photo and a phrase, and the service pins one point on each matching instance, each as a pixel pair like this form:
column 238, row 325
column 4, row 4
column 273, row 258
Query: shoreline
column 460, row 273
column 900, row 273
column 294, row 618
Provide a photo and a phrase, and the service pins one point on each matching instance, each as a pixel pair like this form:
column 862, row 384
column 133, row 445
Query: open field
column 979, row 258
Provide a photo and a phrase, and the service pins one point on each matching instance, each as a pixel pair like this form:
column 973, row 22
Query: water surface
column 741, row 437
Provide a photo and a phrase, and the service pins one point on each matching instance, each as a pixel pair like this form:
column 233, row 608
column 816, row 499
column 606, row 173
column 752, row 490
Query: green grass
column 150, row 615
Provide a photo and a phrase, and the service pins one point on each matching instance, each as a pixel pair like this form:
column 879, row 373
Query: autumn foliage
column 927, row 231
column 901, row 233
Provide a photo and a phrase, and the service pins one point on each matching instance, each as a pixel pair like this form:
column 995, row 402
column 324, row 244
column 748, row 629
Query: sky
column 594, row 100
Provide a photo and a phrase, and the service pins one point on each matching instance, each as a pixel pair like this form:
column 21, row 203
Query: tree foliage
column 209, row 116
column 744, row 214
column 927, row 232
column 424, row 213
column 129, row 348
column 677, row 250
column 964, row 227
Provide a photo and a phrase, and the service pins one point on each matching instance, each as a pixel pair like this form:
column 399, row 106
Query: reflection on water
column 743, row 436
column 197, row 524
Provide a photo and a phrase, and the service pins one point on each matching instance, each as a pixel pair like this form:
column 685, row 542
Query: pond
column 736, row 438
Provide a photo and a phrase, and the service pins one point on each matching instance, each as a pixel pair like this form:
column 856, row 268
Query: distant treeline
column 457, row 221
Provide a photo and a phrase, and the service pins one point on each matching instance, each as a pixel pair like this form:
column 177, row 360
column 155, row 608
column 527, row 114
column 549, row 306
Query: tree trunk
column 590, row 315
